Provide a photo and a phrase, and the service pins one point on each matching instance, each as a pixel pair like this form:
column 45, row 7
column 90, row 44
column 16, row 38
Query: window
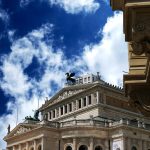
column 83, row 147
column 88, row 78
column 90, row 100
column 53, row 113
column 39, row 147
column 79, row 102
column 70, row 107
column 134, row 148
column 65, row 109
column 61, row 110
column 50, row 115
column 84, row 102
column 68, row 148
column 98, row 148
column 85, row 79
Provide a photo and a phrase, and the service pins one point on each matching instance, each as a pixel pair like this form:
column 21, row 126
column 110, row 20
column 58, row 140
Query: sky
column 41, row 40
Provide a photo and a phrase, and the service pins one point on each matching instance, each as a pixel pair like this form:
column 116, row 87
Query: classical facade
column 88, row 115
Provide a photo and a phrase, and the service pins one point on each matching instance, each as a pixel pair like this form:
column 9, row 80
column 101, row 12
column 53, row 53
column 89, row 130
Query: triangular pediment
column 21, row 129
column 66, row 93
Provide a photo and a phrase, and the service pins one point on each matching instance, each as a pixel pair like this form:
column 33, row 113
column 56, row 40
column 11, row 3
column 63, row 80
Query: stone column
column 144, row 145
column 91, row 143
column 72, row 106
column 14, row 147
column 68, row 110
column 59, row 111
column 51, row 114
column 43, row 143
column 77, row 107
column 27, row 145
column 87, row 103
column 55, row 113
column 34, row 144
column 63, row 109
column 124, row 143
column 74, row 144
column 82, row 102
column 140, row 142
column 19, row 146
column 128, row 144
column 97, row 97
column 92, row 98
column 104, row 98
column 106, row 144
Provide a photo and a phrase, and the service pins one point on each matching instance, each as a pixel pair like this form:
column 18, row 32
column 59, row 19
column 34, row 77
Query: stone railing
column 97, row 123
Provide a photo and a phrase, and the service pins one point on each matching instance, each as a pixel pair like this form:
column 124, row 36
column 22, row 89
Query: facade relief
column 22, row 130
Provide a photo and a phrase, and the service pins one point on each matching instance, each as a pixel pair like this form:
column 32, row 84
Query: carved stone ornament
column 141, row 47
column 139, row 27
column 141, row 99
column 22, row 130
column 68, row 93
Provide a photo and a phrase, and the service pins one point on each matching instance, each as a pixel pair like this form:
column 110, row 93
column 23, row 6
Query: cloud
column 24, row 3
column 24, row 89
column 109, row 56
column 72, row 7
column 77, row 6
column 4, row 16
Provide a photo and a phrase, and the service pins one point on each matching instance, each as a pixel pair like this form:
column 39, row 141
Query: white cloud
column 77, row 6
column 4, row 16
column 24, row 3
column 109, row 56
column 70, row 6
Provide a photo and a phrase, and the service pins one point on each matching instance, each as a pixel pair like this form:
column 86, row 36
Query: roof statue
column 35, row 117
column 8, row 128
column 69, row 78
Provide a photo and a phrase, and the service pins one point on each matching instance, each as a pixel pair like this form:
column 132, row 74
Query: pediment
column 65, row 94
column 21, row 129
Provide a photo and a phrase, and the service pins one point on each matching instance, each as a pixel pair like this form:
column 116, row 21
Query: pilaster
column 91, row 143
column 74, row 144
column 97, row 97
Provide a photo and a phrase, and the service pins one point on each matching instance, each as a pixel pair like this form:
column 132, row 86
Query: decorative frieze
column 22, row 130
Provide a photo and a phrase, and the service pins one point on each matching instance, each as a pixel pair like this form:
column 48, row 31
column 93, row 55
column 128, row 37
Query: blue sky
column 41, row 40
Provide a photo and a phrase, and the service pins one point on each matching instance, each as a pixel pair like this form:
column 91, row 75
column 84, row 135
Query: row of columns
column 28, row 146
column 74, row 106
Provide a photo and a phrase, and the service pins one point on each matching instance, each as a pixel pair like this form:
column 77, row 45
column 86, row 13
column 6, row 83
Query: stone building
column 88, row 115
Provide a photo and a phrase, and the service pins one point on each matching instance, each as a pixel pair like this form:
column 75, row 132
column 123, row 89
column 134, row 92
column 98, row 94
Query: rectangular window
column 89, row 100
column 70, row 107
column 84, row 102
column 50, row 115
column 61, row 110
column 53, row 113
column 79, row 103
column 65, row 109
column 88, row 78
column 85, row 80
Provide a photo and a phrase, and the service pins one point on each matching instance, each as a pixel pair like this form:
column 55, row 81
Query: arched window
column 68, row 148
column 83, row 147
column 118, row 149
column 31, row 148
column 98, row 148
column 134, row 148
column 39, row 147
